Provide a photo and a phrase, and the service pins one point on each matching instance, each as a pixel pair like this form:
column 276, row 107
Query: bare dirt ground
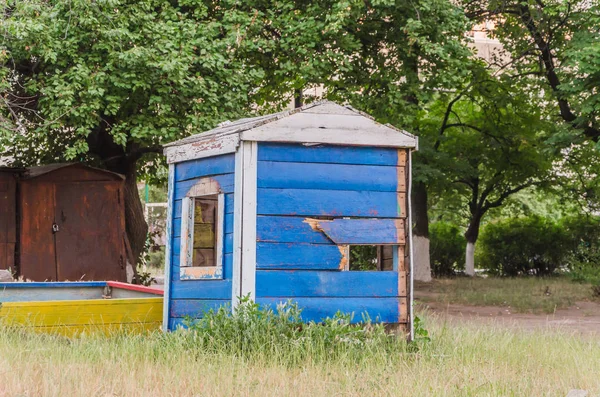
column 584, row 317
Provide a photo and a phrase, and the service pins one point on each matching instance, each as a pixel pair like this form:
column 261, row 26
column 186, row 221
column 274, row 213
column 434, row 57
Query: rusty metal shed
column 69, row 223
column 8, row 216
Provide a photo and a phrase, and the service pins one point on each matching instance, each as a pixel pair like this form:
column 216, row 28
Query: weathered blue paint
column 215, row 289
column 363, row 231
column 313, row 309
column 181, row 308
column 298, row 256
column 225, row 182
column 288, row 229
column 309, row 202
column 327, row 154
column 224, row 164
column 317, row 309
column 187, row 174
column 273, row 174
column 277, row 283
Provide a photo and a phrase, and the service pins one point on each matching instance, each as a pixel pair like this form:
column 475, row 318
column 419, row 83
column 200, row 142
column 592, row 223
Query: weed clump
column 253, row 332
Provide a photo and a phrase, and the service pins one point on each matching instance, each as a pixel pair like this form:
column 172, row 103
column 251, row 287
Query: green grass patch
column 522, row 295
column 459, row 360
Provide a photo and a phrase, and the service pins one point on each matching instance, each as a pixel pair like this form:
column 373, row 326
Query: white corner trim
column 214, row 146
column 169, row 248
column 250, row 172
column 236, row 279
column 410, row 251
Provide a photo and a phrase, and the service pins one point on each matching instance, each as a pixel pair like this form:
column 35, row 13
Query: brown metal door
column 37, row 255
column 89, row 240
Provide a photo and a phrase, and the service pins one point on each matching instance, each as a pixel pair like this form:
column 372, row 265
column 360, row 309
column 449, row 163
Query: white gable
column 320, row 123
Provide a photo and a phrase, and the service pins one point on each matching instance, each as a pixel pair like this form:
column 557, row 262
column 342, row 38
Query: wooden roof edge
column 246, row 124
column 37, row 171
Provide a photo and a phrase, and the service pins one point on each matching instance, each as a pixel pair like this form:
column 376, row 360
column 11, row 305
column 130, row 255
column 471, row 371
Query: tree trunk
column 422, row 270
column 471, row 235
column 298, row 98
column 135, row 223
column 470, row 259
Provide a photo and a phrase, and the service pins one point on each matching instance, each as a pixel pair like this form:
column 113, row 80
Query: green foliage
column 363, row 257
column 553, row 49
column 143, row 278
column 281, row 335
column 421, row 333
column 584, row 259
column 447, row 249
column 120, row 75
column 523, row 246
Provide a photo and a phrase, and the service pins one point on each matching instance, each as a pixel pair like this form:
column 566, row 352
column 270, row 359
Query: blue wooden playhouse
column 273, row 207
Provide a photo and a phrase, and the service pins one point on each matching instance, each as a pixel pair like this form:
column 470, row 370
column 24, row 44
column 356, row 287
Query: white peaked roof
column 318, row 123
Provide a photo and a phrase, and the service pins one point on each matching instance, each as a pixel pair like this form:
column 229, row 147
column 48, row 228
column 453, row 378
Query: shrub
column 584, row 232
column 252, row 331
column 584, row 258
column 529, row 245
column 447, row 249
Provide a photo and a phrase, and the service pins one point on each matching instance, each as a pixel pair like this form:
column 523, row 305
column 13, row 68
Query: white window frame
column 186, row 269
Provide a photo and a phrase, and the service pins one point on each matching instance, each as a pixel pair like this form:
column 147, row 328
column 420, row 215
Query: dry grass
column 460, row 361
column 522, row 295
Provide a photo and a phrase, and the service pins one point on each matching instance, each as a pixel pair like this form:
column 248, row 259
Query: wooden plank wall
column 8, row 220
column 294, row 261
column 193, row 297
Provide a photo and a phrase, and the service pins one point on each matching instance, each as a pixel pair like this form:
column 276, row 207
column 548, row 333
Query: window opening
column 202, row 241
column 205, row 225
column 371, row 257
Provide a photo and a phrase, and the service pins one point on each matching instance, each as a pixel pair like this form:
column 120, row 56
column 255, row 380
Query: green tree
column 107, row 82
column 409, row 53
column 493, row 142
column 554, row 46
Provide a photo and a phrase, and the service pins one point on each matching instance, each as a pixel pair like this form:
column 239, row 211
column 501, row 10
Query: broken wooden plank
column 288, row 229
column 361, row 231
column 298, row 256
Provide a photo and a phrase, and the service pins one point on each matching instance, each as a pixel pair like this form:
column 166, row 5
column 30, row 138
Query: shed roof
column 321, row 122
column 34, row 172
